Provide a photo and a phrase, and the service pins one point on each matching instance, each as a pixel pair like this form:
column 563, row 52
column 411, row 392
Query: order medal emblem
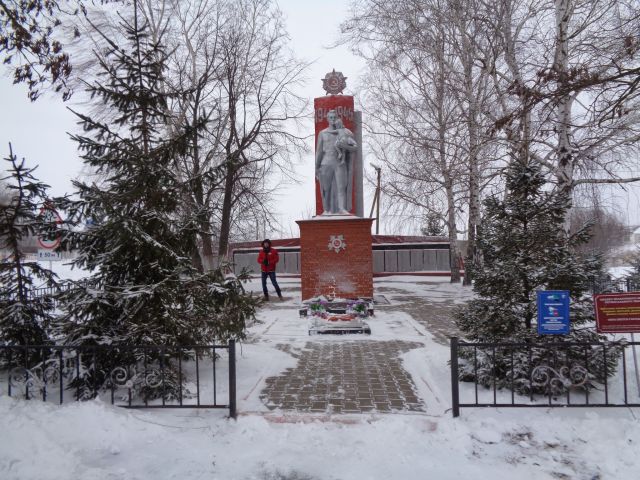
column 337, row 243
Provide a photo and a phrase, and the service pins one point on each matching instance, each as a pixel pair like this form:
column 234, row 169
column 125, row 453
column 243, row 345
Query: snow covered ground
column 93, row 440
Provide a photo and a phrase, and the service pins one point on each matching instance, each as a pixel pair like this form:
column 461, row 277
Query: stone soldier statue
column 334, row 166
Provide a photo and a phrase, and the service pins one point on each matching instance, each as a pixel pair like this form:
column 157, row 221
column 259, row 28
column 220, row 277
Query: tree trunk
column 225, row 222
column 472, row 258
column 208, row 256
column 474, row 175
column 564, row 151
column 454, row 254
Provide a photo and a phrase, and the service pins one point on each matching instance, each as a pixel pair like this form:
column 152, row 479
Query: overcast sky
column 38, row 131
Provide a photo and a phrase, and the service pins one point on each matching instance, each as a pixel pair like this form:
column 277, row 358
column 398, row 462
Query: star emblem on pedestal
column 337, row 243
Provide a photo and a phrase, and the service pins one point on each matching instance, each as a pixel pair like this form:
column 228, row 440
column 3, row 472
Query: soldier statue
column 334, row 166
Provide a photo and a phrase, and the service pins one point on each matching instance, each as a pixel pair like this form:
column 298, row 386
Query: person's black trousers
column 272, row 276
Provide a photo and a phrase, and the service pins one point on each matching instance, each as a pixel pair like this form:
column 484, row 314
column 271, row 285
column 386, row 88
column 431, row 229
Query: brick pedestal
column 348, row 270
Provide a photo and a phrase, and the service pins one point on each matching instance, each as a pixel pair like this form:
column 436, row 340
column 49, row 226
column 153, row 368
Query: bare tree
column 258, row 73
column 414, row 115
column 232, row 58
column 470, row 81
column 434, row 56
column 230, row 68
column 608, row 231
column 556, row 72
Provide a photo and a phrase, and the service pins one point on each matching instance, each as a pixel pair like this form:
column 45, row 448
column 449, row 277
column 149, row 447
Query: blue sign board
column 553, row 312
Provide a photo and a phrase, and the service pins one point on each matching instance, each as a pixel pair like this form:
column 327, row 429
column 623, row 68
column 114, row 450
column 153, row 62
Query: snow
column 329, row 217
column 437, row 289
column 485, row 435
column 64, row 269
column 93, row 440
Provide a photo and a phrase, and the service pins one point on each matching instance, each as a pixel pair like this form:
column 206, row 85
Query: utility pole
column 376, row 200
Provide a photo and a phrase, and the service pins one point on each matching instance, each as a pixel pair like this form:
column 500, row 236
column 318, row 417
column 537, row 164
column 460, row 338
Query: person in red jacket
column 268, row 259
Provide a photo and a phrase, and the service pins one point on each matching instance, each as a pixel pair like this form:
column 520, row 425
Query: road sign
column 617, row 312
column 49, row 255
column 553, row 312
column 49, row 215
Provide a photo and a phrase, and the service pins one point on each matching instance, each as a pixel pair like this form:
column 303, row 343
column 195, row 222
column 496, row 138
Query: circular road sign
column 49, row 215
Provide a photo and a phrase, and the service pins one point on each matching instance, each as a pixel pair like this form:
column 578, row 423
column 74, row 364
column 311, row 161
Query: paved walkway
column 354, row 373
column 433, row 311
column 345, row 377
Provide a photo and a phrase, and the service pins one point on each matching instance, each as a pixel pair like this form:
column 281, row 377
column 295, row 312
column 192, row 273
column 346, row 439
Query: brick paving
column 435, row 316
column 345, row 377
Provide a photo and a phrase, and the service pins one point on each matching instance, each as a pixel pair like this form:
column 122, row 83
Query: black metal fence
column 50, row 293
column 130, row 376
column 619, row 285
column 568, row 380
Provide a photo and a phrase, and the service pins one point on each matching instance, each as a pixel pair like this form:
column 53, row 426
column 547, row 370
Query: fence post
column 455, row 394
column 232, row 379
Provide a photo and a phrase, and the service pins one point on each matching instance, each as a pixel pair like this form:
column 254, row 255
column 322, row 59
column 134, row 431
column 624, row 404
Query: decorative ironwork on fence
column 566, row 380
column 131, row 376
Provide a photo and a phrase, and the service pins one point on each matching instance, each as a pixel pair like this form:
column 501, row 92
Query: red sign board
column 617, row 312
column 344, row 107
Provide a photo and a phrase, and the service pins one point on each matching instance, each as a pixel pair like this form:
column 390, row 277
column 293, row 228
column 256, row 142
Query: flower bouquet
column 358, row 307
column 318, row 308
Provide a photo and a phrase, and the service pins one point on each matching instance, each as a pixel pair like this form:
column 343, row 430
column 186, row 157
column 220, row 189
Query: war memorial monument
column 335, row 244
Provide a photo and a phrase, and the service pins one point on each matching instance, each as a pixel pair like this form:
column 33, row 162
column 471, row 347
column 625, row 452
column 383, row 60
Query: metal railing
column 620, row 285
column 553, row 374
column 50, row 293
column 131, row 376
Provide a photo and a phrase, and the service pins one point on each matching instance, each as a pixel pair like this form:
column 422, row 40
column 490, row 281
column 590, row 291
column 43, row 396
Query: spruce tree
column 24, row 316
column 433, row 226
column 143, row 288
column 525, row 248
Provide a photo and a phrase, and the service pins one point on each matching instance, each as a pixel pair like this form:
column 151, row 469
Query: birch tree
column 424, row 76
column 557, row 72
column 470, row 81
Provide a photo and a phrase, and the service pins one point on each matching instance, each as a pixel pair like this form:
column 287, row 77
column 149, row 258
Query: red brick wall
column 350, row 270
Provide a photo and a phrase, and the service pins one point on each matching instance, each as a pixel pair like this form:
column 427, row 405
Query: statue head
column 339, row 123
column 332, row 117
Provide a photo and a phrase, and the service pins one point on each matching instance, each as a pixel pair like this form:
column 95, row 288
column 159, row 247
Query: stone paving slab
column 345, row 377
